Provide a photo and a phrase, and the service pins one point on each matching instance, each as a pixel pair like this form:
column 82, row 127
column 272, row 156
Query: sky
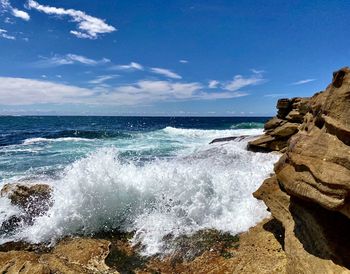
column 167, row 58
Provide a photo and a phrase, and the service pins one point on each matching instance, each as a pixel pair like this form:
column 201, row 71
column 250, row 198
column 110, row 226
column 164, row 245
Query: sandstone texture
column 73, row 256
column 310, row 191
column 280, row 128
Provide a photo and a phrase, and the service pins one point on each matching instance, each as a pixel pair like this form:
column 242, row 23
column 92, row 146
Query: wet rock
column 34, row 199
column 233, row 138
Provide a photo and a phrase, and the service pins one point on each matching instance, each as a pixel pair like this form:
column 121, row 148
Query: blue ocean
column 153, row 176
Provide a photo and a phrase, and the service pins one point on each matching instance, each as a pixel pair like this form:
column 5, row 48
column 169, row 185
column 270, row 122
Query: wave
column 210, row 133
column 211, row 188
column 248, row 125
column 88, row 134
column 31, row 141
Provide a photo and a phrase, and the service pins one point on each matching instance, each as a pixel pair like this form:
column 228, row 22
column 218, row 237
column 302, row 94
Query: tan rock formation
column 280, row 128
column 310, row 192
column 33, row 198
column 73, row 256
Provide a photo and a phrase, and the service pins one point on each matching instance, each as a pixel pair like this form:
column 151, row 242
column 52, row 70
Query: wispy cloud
column 166, row 72
column 257, row 71
column 301, row 82
column 88, row 27
column 6, row 5
column 183, row 61
column 102, row 78
column 240, row 81
column 70, row 59
column 131, row 66
column 213, row 84
column 3, row 34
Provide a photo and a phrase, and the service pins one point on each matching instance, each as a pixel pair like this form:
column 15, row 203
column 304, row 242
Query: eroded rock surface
column 280, row 128
column 77, row 255
column 310, row 192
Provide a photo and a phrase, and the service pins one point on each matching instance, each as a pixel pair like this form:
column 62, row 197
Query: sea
column 153, row 176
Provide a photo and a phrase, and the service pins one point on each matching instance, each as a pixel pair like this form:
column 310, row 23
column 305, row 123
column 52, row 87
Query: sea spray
column 210, row 186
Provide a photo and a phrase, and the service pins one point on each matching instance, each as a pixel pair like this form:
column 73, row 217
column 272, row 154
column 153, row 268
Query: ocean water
column 156, row 176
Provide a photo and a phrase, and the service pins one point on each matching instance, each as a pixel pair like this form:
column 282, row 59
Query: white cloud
column 240, row 81
column 301, row 82
column 88, row 27
column 166, row 72
column 21, row 91
column 256, row 71
column 3, row 34
column 183, row 61
column 70, row 59
column 6, row 5
column 20, row 14
column 131, row 66
column 213, row 84
column 102, row 78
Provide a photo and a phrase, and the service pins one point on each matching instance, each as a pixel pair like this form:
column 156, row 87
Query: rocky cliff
column 310, row 191
column 280, row 128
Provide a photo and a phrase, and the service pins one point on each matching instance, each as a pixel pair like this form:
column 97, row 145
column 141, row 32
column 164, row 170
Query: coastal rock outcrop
column 280, row 128
column 310, row 192
column 77, row 255
column 32, row 199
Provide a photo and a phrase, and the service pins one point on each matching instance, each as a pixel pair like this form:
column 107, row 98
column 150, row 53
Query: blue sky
column 155, row 57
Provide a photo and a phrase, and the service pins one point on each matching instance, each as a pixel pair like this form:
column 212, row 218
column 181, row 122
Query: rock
column 34, row 199
column 284, row 107
column 267, row 143
column 233, row 138
column 310, row 192
column 279, row 129
column 273, row 123
column 316, row 166
column 75, row 255
column 311, row 243
column 259, row 250
column 286, row 130
column 295, row 116
column 14, row 262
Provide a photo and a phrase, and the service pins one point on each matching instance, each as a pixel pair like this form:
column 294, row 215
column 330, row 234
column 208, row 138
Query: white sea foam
column 31, row 141
column 209, row 188
column 212, row 133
